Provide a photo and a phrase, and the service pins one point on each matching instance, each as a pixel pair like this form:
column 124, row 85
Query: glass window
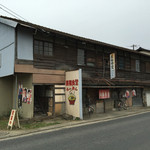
column 43, row 48
column 121, row 63
column 81, row 57
column 137, row 65
column 48, row 49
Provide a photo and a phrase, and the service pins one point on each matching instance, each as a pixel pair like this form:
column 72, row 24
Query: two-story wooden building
column 34, row 59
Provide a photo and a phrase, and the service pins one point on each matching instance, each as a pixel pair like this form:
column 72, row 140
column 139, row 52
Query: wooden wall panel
column 48, row 79
column 30, row 69
column 65, row 58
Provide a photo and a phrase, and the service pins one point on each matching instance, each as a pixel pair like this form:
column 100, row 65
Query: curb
column 71, row 124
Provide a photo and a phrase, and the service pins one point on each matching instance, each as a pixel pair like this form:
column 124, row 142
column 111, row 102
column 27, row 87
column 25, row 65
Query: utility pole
column 134, row 46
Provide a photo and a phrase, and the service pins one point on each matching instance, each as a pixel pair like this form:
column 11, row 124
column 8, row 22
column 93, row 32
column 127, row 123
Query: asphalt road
column 131, row 133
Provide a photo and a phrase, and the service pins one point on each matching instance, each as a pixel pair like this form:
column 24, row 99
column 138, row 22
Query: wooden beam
column 20, row 68
column 23, row 68
column 50, row 79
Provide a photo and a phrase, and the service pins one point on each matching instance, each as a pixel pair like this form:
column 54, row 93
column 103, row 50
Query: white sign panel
column 13, row 115
column 112, row 66
column 73, row 93
column 7, row 47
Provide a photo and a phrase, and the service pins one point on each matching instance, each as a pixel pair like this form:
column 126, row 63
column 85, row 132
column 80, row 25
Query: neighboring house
column 36, row 58
column 143, row 51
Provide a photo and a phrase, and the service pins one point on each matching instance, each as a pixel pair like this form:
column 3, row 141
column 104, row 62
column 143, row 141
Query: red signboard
column 104, row 94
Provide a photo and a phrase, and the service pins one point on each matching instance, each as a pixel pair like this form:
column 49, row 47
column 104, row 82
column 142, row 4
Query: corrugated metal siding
column 7, row 50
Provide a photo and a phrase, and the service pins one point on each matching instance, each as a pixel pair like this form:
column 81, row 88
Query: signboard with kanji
column 112, row 66
column 104, row 94
column 73, row 93
column 13, row 115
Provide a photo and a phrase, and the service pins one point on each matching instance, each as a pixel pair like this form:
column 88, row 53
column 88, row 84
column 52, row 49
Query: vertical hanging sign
column 73, row 93
column 112, row 66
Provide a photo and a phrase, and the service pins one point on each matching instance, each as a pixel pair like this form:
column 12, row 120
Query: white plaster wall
column 7, row 49
column 24, row 44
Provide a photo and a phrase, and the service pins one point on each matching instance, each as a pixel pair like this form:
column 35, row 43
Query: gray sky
column 118, row 22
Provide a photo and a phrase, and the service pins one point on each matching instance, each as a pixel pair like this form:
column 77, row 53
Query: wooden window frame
column 137, row 65
column 79, row 57
column 41, row 48
column 121, row 58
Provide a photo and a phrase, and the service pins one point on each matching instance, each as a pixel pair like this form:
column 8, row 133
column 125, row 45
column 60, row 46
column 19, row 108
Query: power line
column 7, row 46
column 9, row 11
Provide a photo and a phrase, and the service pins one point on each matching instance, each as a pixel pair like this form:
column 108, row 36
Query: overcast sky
column 118, row 22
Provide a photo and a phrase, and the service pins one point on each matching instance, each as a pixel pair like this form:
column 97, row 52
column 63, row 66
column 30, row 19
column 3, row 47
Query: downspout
column 16, row 95
column 16, row 79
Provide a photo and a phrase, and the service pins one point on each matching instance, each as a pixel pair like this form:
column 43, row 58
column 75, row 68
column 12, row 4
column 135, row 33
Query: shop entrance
column 43, row 100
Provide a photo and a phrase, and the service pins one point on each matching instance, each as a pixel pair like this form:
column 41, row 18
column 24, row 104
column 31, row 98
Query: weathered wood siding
column 129, row 72
column 65, row 58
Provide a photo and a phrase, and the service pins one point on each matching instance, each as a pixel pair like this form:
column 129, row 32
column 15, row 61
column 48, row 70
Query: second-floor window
column 137, row 67
column 121, row 62
column 43, row 48
column 81, row 57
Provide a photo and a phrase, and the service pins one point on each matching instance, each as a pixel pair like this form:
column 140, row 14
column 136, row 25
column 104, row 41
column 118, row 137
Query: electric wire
column 7, row 46
column 9, row 11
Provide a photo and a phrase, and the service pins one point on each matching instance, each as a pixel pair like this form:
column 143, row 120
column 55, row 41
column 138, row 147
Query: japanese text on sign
column 72, row 82
column 112, row 66
column 104, row 94
column 12, row 116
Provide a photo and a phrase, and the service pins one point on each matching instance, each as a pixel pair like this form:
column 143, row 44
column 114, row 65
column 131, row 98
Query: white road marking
column 69, row 126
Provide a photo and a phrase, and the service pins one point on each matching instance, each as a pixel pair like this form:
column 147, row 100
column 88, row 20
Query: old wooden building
column 35, row 59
